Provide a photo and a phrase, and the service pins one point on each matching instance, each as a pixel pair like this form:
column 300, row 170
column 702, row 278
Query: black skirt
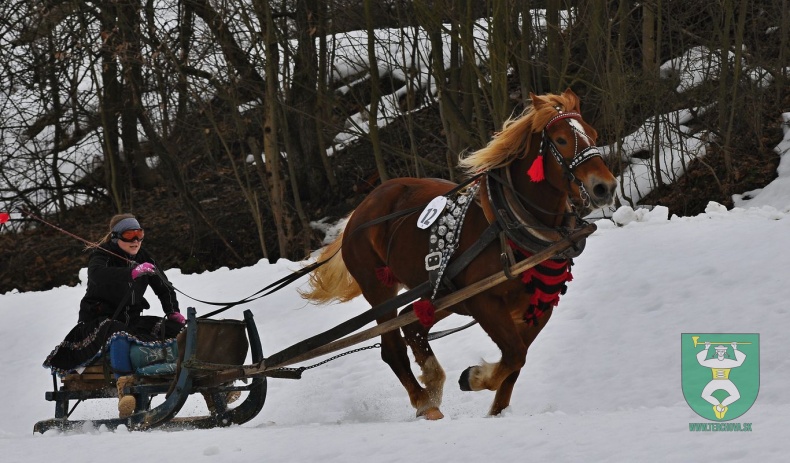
column 89, row 340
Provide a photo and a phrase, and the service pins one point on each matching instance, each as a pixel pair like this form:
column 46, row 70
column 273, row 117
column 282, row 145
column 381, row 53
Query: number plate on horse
column 431, row 212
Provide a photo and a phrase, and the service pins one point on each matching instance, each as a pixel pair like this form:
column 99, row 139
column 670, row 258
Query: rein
column 287, row 280
column 272, row 287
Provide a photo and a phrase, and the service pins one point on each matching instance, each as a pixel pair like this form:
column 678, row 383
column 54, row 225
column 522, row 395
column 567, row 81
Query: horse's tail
column 332, row 281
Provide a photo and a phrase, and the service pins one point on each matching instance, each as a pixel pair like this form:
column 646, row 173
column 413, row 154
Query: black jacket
column 110, row 280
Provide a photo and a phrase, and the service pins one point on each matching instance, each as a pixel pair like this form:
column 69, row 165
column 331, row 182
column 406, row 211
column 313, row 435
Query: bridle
column 509, row 206
column 579, row 156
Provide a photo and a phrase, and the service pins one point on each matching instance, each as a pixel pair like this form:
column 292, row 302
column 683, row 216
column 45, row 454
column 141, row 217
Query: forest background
column 234, row 129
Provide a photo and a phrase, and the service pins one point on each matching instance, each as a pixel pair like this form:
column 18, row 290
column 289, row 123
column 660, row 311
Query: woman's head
column 127, row 232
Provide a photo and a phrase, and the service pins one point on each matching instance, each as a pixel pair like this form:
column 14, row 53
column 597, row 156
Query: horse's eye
column 561, row 141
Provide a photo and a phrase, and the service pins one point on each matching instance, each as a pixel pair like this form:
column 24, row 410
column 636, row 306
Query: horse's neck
column 545, row 203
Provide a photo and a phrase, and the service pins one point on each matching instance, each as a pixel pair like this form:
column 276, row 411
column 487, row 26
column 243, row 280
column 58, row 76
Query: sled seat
column 97, row 376
column 151, row 365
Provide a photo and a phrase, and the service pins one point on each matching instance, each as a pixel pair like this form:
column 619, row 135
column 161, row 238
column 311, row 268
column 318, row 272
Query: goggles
column 129, row 236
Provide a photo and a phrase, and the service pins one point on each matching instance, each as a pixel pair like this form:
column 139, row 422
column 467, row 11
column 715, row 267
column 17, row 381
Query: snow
column 602, row 381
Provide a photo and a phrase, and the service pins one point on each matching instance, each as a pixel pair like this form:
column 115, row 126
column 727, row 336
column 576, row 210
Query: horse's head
column 567, row 157
column 549, row 155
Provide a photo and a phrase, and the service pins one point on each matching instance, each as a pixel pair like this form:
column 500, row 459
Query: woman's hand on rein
column 146, row 268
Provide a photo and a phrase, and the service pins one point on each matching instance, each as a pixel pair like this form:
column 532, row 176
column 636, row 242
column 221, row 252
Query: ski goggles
column 131, row 235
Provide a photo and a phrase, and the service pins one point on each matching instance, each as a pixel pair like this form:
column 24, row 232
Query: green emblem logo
column 720, row 373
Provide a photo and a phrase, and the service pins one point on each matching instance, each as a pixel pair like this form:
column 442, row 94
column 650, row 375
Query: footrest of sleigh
column 164, row 415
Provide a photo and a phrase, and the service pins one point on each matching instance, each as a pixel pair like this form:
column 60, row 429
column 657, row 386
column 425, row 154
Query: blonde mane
column 515, row 138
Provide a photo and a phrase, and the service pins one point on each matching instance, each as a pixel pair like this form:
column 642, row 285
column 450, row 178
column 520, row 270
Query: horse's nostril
column 600, row 190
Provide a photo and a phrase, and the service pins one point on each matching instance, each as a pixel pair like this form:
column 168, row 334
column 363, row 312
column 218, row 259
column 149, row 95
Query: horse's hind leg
column 416, row 336
column 359, row 260
column 393, row 352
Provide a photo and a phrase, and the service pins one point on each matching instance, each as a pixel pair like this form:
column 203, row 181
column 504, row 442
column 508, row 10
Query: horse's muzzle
column 601, row 191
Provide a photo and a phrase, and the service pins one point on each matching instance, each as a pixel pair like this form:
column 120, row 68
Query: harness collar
column 520, row 225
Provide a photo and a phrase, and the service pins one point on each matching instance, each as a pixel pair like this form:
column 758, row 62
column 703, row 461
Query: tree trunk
column 499, row 50
column 523, row 51
column 273, row 179
column 301, row 109
column 649, row 63
column 375, row 95
column 554, row 45
column 58, row 135
column 734, row 105
column 130, row 57
column 324, row 98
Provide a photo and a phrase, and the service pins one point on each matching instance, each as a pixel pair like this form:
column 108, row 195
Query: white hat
column 721, row 348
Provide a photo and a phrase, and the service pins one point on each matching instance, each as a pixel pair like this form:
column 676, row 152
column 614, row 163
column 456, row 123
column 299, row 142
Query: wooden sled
column 96, row 383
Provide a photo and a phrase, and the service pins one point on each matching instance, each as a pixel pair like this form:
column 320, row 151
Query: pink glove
column 176, row 317
column 146, row 268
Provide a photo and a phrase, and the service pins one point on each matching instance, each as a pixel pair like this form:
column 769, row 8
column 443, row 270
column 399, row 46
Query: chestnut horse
column 535, row 169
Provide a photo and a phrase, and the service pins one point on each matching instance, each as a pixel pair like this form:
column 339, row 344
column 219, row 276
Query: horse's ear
column 537, row 101
column 569, row 92
column 571, row 95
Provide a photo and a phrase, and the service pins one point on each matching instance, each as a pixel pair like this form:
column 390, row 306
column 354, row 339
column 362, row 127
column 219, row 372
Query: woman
column 119, row 272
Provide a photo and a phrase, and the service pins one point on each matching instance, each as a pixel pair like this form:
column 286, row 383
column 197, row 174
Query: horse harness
column 517, row 228
column 445, row 234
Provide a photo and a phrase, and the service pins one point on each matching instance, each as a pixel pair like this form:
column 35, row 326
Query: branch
column 47, row 21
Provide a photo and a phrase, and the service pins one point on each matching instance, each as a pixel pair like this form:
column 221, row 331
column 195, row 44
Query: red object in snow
column 4, row 216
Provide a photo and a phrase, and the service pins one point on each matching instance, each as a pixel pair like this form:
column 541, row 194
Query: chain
column 301, row 369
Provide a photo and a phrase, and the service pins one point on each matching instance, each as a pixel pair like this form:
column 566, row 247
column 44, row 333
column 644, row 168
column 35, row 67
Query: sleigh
column 97, row 382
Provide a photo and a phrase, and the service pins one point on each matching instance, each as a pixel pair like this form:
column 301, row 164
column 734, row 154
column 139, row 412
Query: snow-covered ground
column 602, row 382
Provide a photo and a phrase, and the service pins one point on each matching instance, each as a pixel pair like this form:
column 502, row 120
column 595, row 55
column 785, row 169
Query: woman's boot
column 126, row 402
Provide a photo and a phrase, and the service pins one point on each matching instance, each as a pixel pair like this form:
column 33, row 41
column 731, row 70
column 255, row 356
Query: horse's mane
column 515, row 138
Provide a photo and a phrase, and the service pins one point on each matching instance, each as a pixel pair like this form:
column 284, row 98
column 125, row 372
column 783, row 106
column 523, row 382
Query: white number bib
column 431, row 212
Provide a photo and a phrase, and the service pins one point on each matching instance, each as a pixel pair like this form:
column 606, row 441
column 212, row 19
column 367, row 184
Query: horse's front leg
column 528, row 334
column 495, row 318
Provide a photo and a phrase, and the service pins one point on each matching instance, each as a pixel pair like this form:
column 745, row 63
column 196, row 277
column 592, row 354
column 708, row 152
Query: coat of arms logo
column 720, row 373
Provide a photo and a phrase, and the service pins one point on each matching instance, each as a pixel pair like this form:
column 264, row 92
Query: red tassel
column 426, row 312
column 386, row 277
column 535, row 171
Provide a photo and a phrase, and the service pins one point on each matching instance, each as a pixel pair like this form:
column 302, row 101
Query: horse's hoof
column 432, row 414
column 463, row 381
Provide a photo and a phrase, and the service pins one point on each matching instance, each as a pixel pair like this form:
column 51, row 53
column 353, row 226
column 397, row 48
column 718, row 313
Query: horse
column 530, row 176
